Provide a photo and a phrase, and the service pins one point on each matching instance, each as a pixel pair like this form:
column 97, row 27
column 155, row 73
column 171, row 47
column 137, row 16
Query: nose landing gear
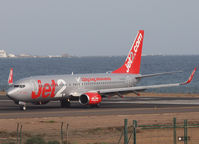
column 22, row 106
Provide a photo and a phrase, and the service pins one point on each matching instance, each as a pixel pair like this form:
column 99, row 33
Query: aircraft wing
column 157, row 74
column 140, row 88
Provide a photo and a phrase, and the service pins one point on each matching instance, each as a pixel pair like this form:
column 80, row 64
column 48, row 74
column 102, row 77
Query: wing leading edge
column 140, row 88
column 157, row 74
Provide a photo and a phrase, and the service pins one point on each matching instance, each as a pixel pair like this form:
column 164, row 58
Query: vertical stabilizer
column 133, row 60
column 10, row 78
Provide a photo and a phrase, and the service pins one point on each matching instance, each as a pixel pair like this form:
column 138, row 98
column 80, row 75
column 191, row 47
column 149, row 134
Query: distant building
column 3, row 54
column 11, row 55
column 25, row 56
column 56, row 56
column 66, row 55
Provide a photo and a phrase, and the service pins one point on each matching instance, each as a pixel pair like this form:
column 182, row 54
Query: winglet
column 190, row 77
column 10, row 78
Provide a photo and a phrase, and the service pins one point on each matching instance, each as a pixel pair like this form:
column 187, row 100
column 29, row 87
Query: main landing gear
column 22, row 107
column 95, row 105
column 65, row 103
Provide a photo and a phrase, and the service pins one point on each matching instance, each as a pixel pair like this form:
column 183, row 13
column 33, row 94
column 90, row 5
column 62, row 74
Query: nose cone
column 12, row 93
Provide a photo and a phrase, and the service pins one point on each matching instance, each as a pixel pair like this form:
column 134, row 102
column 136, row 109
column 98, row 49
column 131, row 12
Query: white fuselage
column 55, row 87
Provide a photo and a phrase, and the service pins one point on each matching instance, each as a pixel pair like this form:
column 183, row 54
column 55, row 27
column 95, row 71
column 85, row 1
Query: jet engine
column 90, row 98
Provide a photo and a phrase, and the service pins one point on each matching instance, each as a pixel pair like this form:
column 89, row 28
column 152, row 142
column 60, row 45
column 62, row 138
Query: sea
column 26, row 67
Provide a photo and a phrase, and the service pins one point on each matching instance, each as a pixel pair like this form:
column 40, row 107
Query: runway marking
column 6, row 101
column 94, row 110
column 173, row 102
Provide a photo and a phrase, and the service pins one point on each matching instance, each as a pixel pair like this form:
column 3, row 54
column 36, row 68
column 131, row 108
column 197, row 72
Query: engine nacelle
column 90, row 98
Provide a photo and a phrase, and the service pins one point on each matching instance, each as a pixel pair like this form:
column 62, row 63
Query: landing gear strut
column 65, row 103
column 22, row 106
column 95, row 105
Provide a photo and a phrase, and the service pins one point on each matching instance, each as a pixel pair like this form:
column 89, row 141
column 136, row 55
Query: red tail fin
column 10, row 78
column 133, row 60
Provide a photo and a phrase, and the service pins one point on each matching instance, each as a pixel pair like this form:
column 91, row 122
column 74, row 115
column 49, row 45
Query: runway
column 112, row 106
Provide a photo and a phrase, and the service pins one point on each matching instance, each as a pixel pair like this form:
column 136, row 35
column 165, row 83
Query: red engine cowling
column 90, row 98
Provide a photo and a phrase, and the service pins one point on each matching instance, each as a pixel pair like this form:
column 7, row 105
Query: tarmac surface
column 112, row 106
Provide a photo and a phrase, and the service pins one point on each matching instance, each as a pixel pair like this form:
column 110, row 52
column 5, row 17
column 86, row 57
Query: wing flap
column 137, row 88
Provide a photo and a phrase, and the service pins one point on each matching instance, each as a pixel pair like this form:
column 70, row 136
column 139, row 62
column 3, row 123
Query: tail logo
column 133, row 53
column 133, row 60
column 129, row 61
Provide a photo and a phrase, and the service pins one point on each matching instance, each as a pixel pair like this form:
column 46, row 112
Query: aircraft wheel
column 95, row 106
column 22, row 107
column 98, row 105
column 65, row 103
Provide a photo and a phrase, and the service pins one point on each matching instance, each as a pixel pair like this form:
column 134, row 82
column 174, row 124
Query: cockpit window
column 20, row 86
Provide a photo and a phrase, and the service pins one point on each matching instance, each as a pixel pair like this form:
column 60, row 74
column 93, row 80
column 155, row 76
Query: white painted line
column 177, row 102
column 5, row 100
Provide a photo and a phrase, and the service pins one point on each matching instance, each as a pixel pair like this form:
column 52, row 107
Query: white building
column 3, row 54
column 11, row 55
column 25, row 56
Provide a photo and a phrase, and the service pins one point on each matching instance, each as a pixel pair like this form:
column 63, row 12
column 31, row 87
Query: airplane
column 88, row 89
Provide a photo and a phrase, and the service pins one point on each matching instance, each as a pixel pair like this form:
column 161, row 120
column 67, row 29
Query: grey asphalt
column 112, row 106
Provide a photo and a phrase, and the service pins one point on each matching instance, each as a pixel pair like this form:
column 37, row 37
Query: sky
column 98, row 27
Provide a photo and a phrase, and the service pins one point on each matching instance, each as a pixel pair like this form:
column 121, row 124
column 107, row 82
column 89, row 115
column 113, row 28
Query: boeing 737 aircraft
column 88, row 89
